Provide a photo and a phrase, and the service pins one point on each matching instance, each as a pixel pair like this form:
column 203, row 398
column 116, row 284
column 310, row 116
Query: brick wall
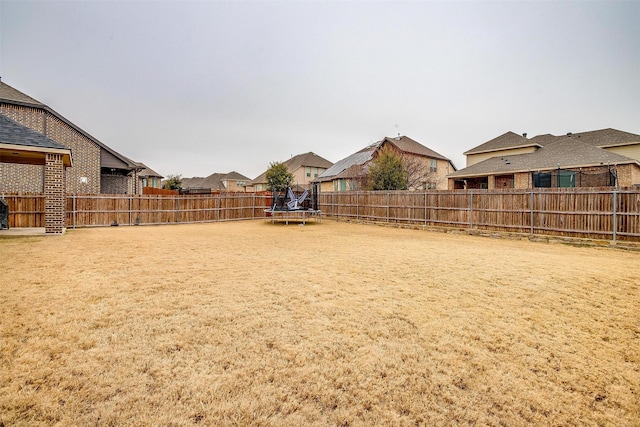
column 15, row 178
column 86, row 154
column 628, row 175
column 33, row 118
column 54, row 195
column 86, row 157
column 522, row 180
column 114, row 184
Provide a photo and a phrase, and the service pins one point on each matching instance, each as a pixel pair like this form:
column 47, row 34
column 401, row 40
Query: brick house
column 305, row 168
column 148, row 178
column 606, row 157
column 22, row 146
column 232, row 181
column 427, row 170
column 96, row 167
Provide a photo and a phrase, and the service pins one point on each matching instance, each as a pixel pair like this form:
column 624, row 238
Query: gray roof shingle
column 356, row 159
column 563, row 152
column 505, row 141
column 16, row 134
column 213, row 181
column 8, row 93
column 599, row 138
column 404, row 143
column 607, row 137
column 146, row 172
column 307, row 159
column 408, row 145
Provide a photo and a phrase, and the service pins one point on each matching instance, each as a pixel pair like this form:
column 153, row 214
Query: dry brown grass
column 249, row 323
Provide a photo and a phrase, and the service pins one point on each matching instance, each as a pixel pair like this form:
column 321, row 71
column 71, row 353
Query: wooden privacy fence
column 27, row 210
column 602, row 213
column 100, row 210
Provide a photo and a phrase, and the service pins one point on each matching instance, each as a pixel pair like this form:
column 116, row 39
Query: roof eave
column 622, row 144
column 67, row 159
column 466, row 153
column 547, row 168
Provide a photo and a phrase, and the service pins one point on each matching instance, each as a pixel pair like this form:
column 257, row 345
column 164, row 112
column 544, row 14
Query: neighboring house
column 96, row 167
column 426, row 168
column 232, row 181
column 147, row 177
column 26, row 148
column 305, row 169
column 606, row 157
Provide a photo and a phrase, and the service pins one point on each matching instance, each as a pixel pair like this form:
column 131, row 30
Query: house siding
column 232, row 185
column 300, row 175
column 631, row 151
column 326, row 186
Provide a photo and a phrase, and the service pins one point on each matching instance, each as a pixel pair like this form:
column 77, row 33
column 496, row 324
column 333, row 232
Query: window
column 315, row 172
column 566, row 179
column 308, row 171
column 542, row 180
column 433, row 165
column 560, row 179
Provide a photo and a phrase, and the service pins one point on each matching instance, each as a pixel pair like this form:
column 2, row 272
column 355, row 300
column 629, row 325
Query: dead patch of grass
column 249, row 323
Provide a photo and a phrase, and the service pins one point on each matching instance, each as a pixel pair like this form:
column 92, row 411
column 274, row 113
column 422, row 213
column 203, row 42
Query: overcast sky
column 194, row 88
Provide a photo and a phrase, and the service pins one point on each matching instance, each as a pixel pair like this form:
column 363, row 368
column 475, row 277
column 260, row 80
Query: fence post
column 130, row 208
column 332, row 212
column 387, row 206
column 357, row 208
column 73, row 206
column 425, row 208
column 177, row 209
column 615, row 209
column 531, row 200
column 470, row 208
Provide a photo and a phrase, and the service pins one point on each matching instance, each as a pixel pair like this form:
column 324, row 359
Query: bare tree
column 422, row 172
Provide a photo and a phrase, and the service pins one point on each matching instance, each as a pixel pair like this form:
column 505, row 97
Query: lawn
column 253, row 323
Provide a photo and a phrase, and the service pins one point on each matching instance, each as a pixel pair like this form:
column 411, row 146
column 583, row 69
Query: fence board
column 576, row 212
column 565, row 212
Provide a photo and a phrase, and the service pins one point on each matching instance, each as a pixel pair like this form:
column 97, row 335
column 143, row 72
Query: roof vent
column 524, row 134
column 569, row 134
